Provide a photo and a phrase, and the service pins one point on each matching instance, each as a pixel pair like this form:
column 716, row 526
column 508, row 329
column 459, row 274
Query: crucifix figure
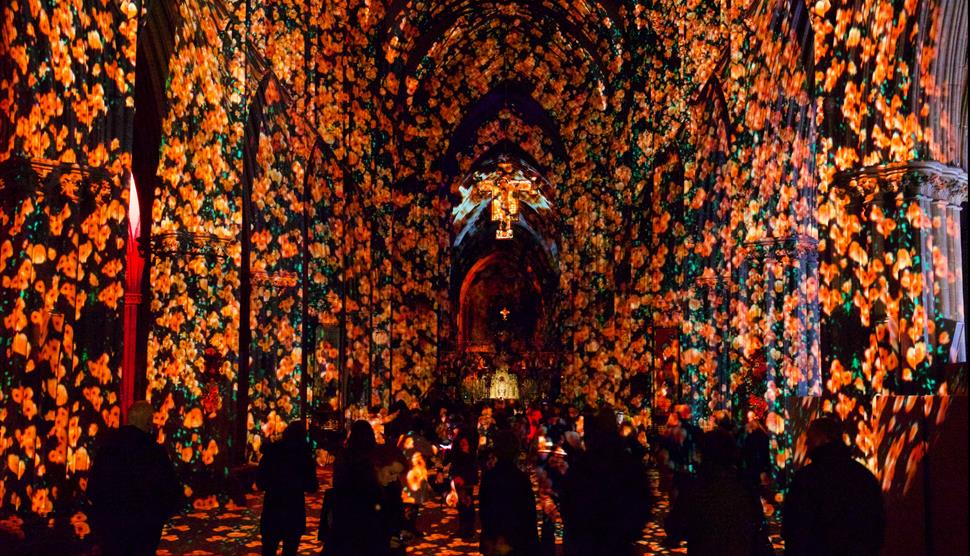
column 505, row 191
column 505, row 313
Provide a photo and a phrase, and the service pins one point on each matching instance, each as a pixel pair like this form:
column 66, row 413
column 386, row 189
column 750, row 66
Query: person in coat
column 133, row 487
column 389, row 465
column 834, row 505
column 508, row 505
column 349, row 519
column 606, row 498
column 716, row 513
column 463, row 461
column 755, row 455
column 286, row 472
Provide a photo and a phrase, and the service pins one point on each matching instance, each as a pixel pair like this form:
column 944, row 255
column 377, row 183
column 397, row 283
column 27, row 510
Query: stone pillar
column 186, row 363
column 62, row 245
column 777, row 286
column 891, row 282
column 940, row 259
column 954, row 277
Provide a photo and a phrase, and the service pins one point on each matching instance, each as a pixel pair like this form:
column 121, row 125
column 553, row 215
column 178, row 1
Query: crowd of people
column 544, row 475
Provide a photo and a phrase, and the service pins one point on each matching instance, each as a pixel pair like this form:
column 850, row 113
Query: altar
column 503, row 386
column 530, row 377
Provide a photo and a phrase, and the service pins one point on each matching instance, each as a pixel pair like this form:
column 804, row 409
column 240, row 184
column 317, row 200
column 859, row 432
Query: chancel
column 468, row 251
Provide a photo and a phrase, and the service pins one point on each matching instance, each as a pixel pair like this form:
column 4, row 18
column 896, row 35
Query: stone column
column 940, row 258
column 955, row 281
column 62, row 242
column 892, row 245
column 778, row 277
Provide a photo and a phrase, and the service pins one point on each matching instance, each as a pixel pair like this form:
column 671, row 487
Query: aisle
column 236, row 530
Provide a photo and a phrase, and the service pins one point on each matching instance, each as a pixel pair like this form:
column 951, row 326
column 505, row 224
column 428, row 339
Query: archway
column 505, row 274
column 501, row 297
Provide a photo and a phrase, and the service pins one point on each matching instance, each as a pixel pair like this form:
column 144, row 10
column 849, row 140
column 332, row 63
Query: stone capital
column 22, row 176
column 928, row 179
column 795, row 246
column 174, row 244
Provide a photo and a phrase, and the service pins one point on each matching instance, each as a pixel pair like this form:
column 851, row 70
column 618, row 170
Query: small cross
column 505, row 313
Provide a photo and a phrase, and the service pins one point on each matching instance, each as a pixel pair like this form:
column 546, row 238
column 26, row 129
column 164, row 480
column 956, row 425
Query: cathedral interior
column 253, row 212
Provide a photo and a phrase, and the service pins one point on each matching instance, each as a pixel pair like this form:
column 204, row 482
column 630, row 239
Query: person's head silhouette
column 823, row 431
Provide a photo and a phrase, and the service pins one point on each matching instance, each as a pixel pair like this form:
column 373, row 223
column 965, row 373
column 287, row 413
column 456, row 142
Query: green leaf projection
column 66, row 106
column 762, row 197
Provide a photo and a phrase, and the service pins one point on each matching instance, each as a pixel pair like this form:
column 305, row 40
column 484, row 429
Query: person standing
column 389, row 464
column 755, row 455
column 399, row 424
column 715, row 512
column 606, row 497
column 834, row 505
column 349, row 517
column 286, row 471
column 463, row 462
column 508, row 505
column 133, row 487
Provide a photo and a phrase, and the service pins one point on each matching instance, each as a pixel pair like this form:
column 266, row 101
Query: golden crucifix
column 505, row 313
column 505, row 190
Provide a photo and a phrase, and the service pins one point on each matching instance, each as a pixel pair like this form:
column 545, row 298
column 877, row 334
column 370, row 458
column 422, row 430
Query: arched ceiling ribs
column 156, row 43
column 712, row 93
column 455, row 64
column 578, row 70
column 254, row 124
column 800, row 21
column 457, row 30
column 483, row 17
column 797, row 15
column 610, row 7
column 469, row 44
column 515, row 95
column 256, row 118
column 321, row 146
column 448, row 15
column 416, row 52
column 458, row 47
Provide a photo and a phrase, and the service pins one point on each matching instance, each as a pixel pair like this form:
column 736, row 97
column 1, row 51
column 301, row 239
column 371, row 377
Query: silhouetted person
column 683, row 453
column 724, row 421
column 349, row 519
column 133, row 487
column 834, row 506
column 755, row 454
column 508, row 505
column 464, row 474
column 399, row 425
column 631, row 442
column 606, row 498
column 389, row 465
column 353, row 461
column 286, row 471
column 716, row 513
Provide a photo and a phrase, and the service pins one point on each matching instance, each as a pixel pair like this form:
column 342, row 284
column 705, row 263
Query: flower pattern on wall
column 698, row 152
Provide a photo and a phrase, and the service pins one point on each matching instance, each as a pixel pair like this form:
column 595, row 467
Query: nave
column 236, row 529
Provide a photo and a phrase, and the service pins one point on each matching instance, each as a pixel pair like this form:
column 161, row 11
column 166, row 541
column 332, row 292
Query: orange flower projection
column 713, row 175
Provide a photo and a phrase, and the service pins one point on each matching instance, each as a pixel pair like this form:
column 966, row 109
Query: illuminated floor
column 237, row 531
